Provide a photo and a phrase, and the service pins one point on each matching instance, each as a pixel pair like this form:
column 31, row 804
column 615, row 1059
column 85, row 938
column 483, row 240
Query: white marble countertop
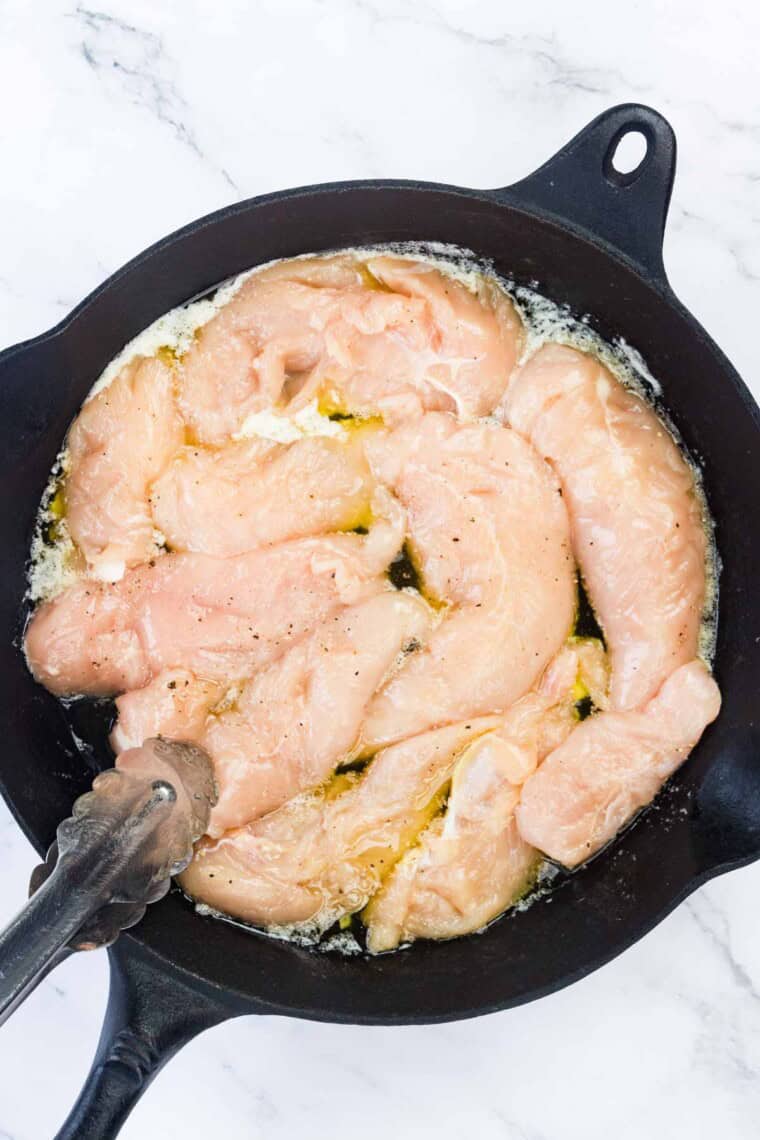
column 124, row 121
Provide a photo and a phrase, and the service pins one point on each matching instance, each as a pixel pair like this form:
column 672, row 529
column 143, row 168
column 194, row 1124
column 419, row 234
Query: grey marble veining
column 125, row 119
column 132, row 63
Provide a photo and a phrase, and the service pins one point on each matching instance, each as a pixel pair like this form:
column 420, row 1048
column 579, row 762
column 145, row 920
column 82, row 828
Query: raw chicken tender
column 386, row 337
column 174, row 705
column 297, row 720
column 318, row 857
column 442, row 889
column 262, row 345
column 219, row 618
column 490, row 534
column 636, row 518
column 119, row 443
column 612, row 765
column 427, row 344
column 471, row 863
column 254, row 493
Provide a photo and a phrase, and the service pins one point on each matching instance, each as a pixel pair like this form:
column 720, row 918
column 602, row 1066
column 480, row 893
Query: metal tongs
column 113, row 856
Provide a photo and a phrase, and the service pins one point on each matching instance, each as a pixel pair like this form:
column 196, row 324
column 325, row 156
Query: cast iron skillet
column 592, row 238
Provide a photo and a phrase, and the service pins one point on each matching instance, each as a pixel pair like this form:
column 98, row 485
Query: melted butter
column 361, row 519
column 168, row 355
column 370, row 281
column 56, row 514
column 381, row 859
column 57, row 505
column 406, row 574
column 360, row 426
column 55, row 561
column 340, row 783
column 579, row 691
column 330, row 404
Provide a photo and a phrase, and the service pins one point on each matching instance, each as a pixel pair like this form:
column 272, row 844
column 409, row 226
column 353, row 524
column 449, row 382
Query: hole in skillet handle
column 625, row 157
column 586, row 186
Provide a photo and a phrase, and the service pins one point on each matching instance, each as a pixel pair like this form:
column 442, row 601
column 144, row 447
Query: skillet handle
column 152, row 1012
column 581, row 187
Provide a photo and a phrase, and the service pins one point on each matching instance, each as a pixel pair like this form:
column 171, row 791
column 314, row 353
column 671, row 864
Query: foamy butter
column 282, row 428
column 308, row 935
column 174, row 330
column 52, row 564
column 547, row 322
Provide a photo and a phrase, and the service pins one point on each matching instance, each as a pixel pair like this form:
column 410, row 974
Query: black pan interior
column 707, row 819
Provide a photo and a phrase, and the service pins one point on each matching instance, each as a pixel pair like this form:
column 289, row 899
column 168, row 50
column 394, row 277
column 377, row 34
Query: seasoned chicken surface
column 229, row 500
column 384, row 336
column 334, row 536
column 636, row 518
column 612, row 765
column 323, row 855
column 296, row 720
column 470, row 864
column 175, row 704
column 489, row 531
column 222, row 619
column 121, row 441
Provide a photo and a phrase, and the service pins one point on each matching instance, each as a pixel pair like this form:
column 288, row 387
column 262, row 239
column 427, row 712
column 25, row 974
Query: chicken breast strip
column 426, row 343
column 297, row 720
column 227, row 501
column 175, row 705
column 470, row 864
column 489, row 532
column 322, row 856
column 612, row 765
column 106, row 490
column 261, row 349
column 222, row 619
column 287, row 729
column 636, row 517
column 385, row 338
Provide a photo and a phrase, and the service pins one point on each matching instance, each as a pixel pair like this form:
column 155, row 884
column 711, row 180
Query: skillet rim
column 504, row 200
